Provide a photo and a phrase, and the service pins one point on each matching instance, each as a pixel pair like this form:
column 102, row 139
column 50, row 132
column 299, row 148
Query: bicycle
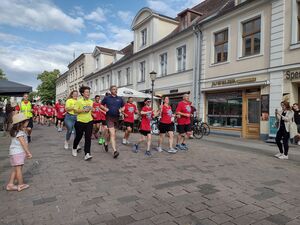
column 197, row 129
column 205, row 128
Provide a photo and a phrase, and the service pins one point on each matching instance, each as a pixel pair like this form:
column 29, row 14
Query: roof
column 11, row 88
column 106, row 50
column 79, row 57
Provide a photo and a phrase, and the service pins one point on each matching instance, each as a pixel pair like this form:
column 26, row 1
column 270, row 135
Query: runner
column 35, row 113
column 113, row 105
column 166, row 125
column 60, row 115
column 84, row 123
column 128, row 111
column 26, row 108
column 43, row 110
column 56, row 107
column 183, row 112
column 70, row 117
column 49, row 113
column 98, row 116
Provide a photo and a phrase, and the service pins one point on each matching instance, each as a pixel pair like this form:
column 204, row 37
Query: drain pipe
column 195, row 88
column 199, row 74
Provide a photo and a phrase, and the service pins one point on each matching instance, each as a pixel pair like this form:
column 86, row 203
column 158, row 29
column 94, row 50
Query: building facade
column 62, row 86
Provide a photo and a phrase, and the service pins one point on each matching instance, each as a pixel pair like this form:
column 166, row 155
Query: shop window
column 221, row 46
column 225, row 109
column 251, row 37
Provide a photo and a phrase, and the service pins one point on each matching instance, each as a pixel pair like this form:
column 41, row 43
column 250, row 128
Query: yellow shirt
column 26, row 109
column 70, row 103
column 84, row 117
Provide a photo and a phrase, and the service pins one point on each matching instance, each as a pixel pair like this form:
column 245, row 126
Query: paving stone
column 80, row 179
column 164, row 217
column 174, row 183
column 126, row 199
column 220, row 218
column 203, row 214
column 124, row 220
column 273, row 182
column 92, row 201
column 143, row 215
column 44, row 200
column 278, row 219
column 95, row 220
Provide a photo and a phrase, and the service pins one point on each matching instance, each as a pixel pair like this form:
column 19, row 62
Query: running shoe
column 74, row 152
column 135, row 148
column 106, row 147
column 172, row 150
column 278, row 155
column 159, row 149
column 184, row 146
column 124, row 142
column 283, row 157
column 66, row 146
column 116, row 154
column 88, row 157
column 180, row 147
column 148, row 153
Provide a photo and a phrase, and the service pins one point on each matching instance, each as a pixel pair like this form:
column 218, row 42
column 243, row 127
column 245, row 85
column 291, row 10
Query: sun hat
column 20, row 117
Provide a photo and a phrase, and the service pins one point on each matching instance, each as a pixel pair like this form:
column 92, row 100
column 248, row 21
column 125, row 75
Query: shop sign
column 292, row 75
column 233, row 81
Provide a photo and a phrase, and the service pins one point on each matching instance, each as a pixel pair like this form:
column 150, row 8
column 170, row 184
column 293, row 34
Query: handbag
column 293, row 129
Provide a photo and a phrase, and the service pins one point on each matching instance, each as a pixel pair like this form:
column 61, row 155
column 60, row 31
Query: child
column 145, row 127
column 18, row 150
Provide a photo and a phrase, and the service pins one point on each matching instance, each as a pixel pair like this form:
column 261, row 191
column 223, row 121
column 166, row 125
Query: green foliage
column 46, row 90
column 2, row 75
column 32, row 95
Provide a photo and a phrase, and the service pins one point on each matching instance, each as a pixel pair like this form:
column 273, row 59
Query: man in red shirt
column 60, row 115
column 145, row 127
column 128, row 111
column 99, row 117
column 49, row 113
column 183, row 112
column 42, row 113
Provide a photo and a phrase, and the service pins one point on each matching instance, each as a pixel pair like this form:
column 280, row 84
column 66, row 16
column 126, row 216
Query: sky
column 39, row 35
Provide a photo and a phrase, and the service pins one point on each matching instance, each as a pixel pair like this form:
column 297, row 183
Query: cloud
column 171, row 7
column 38, row 15
column 9, row 38
column 96, row 36
column 125, row 16
column 98, row 15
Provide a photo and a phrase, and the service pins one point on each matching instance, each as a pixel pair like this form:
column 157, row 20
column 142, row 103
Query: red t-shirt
column 129, row 110
column 49, row 111
column 146, row 119
column 98, row 114
column 35, row 109
column 166, row 114
column 60, row 111
column 43, row 110
column 184, row 107
column 17, row 108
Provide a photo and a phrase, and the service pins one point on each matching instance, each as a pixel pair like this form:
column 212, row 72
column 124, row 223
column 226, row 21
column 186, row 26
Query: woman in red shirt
column 166, row 125
column 128, row 111
column 49, row 114
column 145, row 127
column 60, row 115
column 98, row 117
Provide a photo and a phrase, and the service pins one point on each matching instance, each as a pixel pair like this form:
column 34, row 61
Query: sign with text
column 233, row 81
column 292, row 75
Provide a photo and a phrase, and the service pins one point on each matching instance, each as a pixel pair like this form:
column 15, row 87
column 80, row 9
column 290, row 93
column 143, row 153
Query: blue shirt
column 113, row 104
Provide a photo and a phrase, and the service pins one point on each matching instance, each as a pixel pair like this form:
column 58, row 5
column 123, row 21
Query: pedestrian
column 70, row 117
column 145, row 127
column 60, row 115
column 284, row 117
column 84, row 122
column 98, row 116
column 49, row 113
column 297, row 121
column 166, row 125
column 18, row 151
column 128, row 111
column 113, row 105
column 184, row 129
column 26, row 108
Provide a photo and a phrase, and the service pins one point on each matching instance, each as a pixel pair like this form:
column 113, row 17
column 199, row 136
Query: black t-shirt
column 297, row 117
column 281, row 120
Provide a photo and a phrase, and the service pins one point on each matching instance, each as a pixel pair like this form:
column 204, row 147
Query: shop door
column 251, row 123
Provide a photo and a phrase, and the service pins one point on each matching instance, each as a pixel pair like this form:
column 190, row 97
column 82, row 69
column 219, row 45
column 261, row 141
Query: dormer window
column 143, row 37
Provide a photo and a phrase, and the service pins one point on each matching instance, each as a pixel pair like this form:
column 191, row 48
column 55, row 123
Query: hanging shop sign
column 233, row 81
column 292, row 75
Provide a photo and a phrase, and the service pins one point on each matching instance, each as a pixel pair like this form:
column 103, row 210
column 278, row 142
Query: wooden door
column 251, row 115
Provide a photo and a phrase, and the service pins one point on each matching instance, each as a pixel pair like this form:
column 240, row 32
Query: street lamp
column 152, row 77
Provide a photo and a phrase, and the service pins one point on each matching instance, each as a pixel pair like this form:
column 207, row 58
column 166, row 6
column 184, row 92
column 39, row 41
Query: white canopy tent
column 127, row 92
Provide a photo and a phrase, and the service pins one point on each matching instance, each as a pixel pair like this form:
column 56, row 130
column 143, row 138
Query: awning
column 237, row 86
column 10, row 88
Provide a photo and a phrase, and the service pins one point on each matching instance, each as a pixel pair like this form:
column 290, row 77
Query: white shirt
column 15, row 145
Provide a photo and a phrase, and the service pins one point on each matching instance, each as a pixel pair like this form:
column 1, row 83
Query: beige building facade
column 62, row 86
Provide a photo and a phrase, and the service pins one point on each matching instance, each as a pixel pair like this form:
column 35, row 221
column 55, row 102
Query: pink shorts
column 17, row 159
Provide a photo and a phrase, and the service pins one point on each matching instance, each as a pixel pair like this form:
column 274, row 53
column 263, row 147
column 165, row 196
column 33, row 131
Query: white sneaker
column 159, row 149
column 172, row 150
column 78, row 148
column 74, row 152
column 66, row 145
column 124, row 142
column 127, row 142
column 278, row 155
column 283, row 157
column 88, row 156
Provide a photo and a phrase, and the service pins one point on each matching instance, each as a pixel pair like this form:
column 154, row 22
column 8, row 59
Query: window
column 91, row 85
column 102, row 83
column 97, row 63
column 163, row 64
column 96, row 85
column 142, row 72
column 82, row 70
column 76, row 74
column 221, row 46
column 225, row 109
column 119, row 79
column 144, row 37
column 251, row 37
column 127, row 76
column 108, row 81
column 181, row 58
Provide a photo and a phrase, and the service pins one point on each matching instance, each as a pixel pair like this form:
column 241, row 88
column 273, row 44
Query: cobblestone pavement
column 207, row 185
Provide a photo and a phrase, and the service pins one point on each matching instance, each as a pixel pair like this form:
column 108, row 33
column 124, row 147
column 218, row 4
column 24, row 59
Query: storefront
column 238, row 106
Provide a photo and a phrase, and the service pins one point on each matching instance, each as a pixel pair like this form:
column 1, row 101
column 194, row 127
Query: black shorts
column 145, row 132
column 49, row 117
column 182, row 129
column 112, row 122
column 61, row 119
column 165, row 128
column 128, row 124
column 30, row 123
column 103, row 122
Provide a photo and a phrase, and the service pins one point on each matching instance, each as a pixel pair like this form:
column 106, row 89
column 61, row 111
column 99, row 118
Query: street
column 212, row 183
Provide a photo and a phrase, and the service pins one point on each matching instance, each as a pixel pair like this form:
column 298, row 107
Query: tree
column 2, row 75
column 32, row 95
column 46, row 90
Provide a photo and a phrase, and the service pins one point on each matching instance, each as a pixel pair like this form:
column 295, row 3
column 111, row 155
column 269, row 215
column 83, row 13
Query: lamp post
column 152, row 77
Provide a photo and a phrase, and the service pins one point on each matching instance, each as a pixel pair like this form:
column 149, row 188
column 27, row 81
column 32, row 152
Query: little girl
column 18, row 150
